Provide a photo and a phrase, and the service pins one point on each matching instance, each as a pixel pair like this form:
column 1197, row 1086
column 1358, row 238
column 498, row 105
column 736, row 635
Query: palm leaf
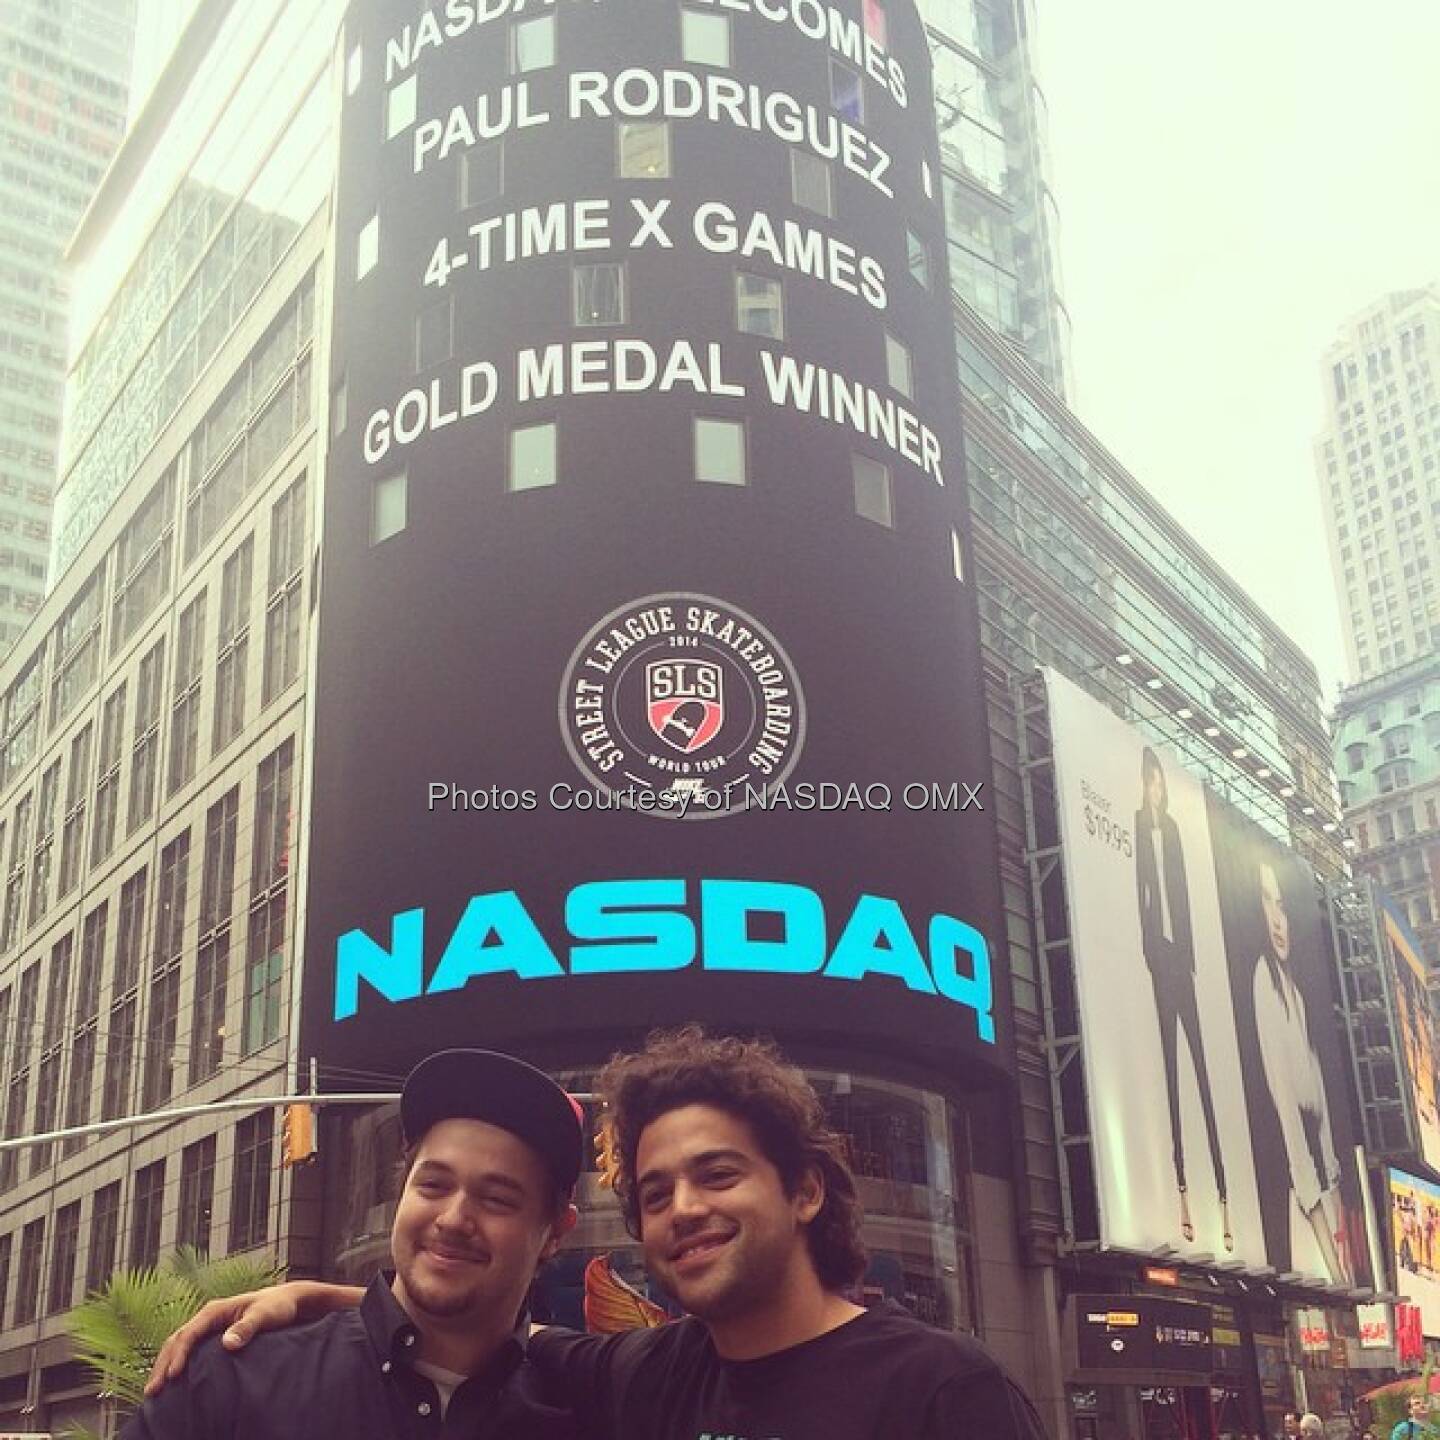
column 118, row 1330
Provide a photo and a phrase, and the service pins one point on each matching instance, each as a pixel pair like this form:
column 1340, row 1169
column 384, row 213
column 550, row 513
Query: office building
column 1378, row 462
column 63, row 75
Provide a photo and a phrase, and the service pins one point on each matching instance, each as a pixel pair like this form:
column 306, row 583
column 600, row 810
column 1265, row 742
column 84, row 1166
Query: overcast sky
column 1234, row 180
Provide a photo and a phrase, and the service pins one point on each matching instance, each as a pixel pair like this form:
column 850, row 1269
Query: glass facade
column 161, row 286
column 63, row 72
column 1000, row 214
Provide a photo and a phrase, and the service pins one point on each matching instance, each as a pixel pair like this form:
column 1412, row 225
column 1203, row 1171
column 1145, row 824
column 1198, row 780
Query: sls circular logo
column 683, row 707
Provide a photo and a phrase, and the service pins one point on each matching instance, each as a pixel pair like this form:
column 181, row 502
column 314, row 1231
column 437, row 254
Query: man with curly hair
column 736, row 1187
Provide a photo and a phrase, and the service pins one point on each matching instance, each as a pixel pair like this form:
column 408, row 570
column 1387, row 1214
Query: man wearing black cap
column 493, row 1151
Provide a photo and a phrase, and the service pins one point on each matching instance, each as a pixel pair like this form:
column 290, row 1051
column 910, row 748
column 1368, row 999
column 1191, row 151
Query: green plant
column 118, row 1330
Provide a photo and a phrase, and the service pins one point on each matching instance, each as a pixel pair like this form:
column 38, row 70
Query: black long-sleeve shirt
column 348, row 1374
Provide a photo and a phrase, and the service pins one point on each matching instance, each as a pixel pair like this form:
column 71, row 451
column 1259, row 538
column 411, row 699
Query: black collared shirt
column 348, row 1374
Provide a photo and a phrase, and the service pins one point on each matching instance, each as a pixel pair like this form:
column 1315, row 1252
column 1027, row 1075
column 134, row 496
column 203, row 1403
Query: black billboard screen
column 648, row 681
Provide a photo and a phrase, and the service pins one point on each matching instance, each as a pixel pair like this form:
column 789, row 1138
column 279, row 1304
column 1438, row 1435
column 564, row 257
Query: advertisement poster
column 1415, row 1234
column 1415, row 1019
column 1202, row 960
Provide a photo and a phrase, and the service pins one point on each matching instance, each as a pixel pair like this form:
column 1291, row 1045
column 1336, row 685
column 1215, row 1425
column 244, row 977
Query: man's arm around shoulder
column 201, row 1404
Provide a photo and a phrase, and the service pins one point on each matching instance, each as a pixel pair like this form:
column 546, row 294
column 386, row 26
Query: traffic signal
column 297, row 1135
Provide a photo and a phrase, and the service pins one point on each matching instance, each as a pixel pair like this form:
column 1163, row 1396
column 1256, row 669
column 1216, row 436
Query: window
column 144, row 751
column 250, row 1189
column 919, row 258
column 197, row 1194
column 872, row 490
column 759, row 306
column 644, row 147
column 146, row 1214
column 185, row 694
column 367, row 251
column 599, row 295
column 77, row 658
column 482, row 174
column 847, row 93
column 157, row 1084
column 130, row 930
column 86, row 1025
column 142, row 561
column 532, row 44
column 104, row 1236
column 435, row 334
column 15, row 885
column 40, row 859
column 107, row 784
column 720, row 451
column 897, row 367
column 810, row 183
column 264, row 973
column 27, row 1274
column 18, row 1100
column 6, row 1244
column 532, row 456
column 270, row 857
column 704, row 38
column 52, row 1050
column 388, row 500
column 1355, row 756
column 217, row 887
column 282, row 608
column 63, row 1250
column 400, row 107
column 270, row 862
column 77, row 790
column 232, row 662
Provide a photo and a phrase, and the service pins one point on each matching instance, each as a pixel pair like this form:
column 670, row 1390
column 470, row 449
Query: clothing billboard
column 1214, row 1071
column 1415, row 1236
column 1415, row 1021
column 648, row 683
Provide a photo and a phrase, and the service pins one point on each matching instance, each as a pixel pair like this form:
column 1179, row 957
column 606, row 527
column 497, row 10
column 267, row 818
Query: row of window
column 264, row 406
column 56, row 1050
column 706, row 38
column 600, row 297
column 719, row 455
column 35, row 1293
column 25, row 905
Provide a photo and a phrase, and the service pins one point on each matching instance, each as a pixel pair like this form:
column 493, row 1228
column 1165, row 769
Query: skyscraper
column 1000, row 213
column 63, row 77
column 1378, row 461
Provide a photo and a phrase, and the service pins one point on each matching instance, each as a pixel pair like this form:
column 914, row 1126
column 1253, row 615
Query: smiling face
column 718, row 1229
column 476, row 1218
column 1277, row 921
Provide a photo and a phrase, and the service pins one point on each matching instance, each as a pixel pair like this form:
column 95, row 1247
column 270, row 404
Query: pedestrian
column 1416, row 1424
column 747, row 1213
column 493, row 1151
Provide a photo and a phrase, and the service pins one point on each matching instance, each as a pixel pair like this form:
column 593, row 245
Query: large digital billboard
column 1415, row 1022
column 648, row 682
column 1216, row 1083
column 1415, row 1237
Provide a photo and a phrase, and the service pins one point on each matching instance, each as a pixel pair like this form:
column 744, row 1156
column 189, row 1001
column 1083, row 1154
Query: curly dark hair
column 750, row 1080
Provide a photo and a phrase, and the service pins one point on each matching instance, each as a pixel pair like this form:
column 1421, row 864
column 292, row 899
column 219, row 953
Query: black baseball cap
column 501, row 1090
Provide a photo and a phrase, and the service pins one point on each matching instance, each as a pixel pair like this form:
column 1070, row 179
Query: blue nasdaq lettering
column 633, row 926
